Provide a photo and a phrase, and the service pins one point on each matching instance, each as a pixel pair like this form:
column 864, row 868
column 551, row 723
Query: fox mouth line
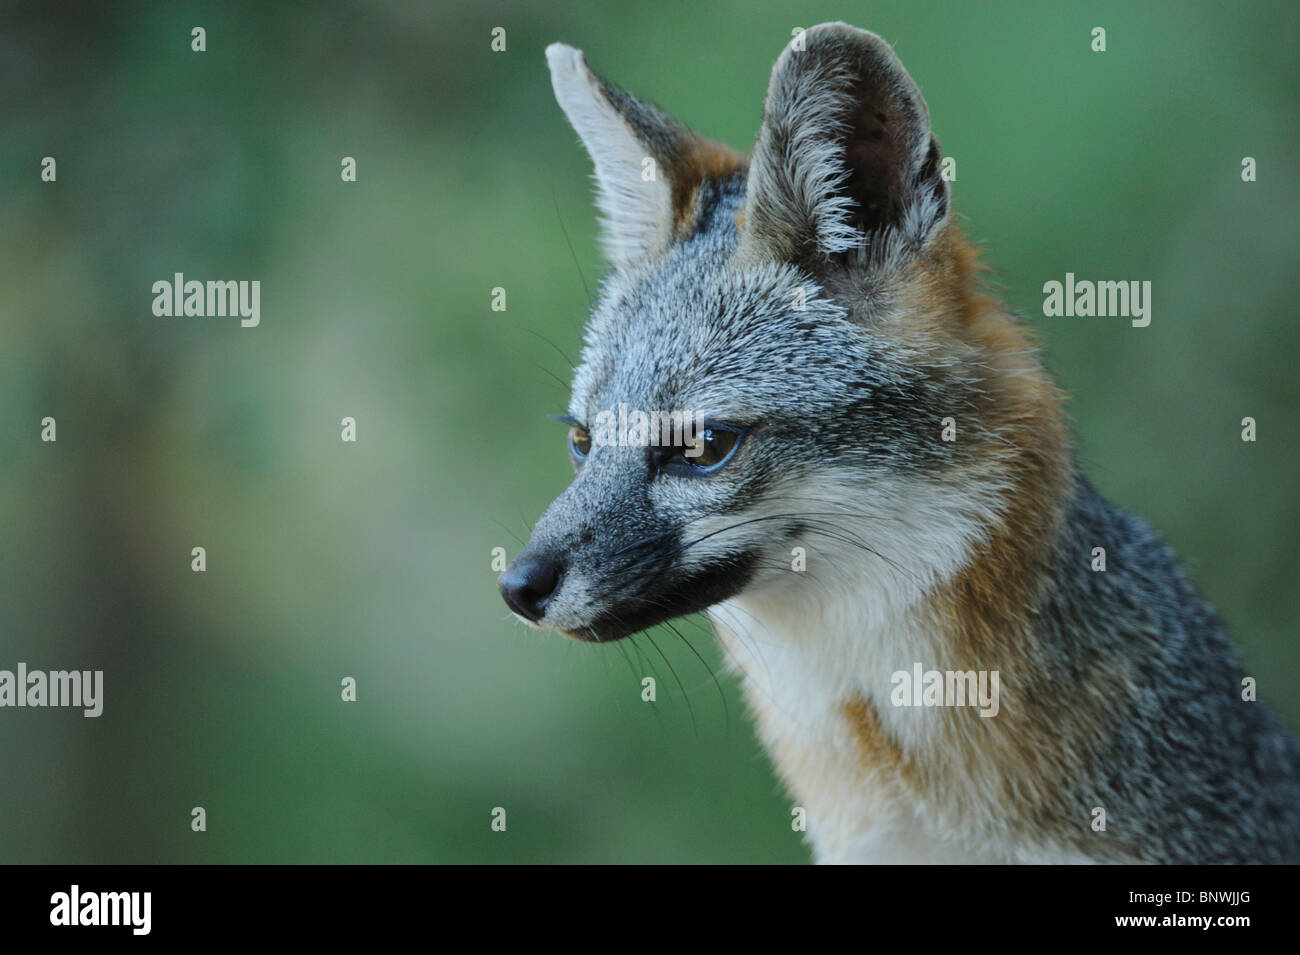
column 636, row 613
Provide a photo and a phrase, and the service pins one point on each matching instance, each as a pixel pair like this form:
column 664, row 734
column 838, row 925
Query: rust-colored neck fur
column 983, row 617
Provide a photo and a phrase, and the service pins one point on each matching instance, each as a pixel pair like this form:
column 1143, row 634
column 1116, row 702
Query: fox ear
column 845, row 158
column 649, row 168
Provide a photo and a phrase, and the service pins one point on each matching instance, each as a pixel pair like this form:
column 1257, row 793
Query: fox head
column 812, row 308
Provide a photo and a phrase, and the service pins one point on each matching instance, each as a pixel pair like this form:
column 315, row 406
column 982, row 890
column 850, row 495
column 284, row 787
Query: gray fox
column 869, row 487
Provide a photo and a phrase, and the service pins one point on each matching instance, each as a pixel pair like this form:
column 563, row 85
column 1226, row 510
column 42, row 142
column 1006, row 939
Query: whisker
column 695, row 729
column 517, row 538
column 565, row 232
column 558, row 350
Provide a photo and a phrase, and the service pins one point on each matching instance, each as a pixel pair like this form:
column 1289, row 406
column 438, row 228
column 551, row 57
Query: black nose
column 527, row 585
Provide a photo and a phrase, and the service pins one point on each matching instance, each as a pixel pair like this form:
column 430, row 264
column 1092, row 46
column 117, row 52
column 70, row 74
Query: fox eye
column 579, row 441
column 714, row 446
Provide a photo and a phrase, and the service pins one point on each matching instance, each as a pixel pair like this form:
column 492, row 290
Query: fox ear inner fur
column 845, row 161
column 648, row 167
column 845, row 166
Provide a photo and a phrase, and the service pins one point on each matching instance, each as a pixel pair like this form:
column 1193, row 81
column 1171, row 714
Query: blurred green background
column 372, row 560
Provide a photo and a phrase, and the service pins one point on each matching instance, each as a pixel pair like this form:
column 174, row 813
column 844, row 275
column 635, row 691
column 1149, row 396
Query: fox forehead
column 696, row 330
